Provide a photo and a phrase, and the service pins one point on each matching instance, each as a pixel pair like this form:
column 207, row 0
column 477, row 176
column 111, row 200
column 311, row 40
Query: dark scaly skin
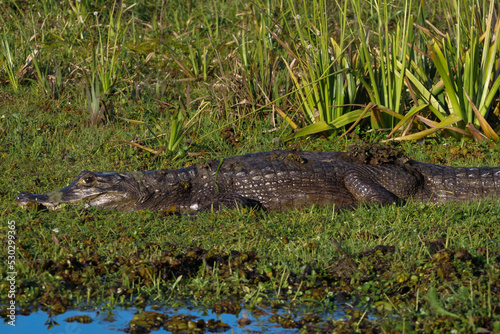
column 445, row 183
column 277, row 181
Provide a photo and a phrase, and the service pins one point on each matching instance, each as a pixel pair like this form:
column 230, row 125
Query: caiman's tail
column 444, row 183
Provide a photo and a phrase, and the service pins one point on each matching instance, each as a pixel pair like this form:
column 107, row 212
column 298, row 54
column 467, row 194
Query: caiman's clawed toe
column 277, row 180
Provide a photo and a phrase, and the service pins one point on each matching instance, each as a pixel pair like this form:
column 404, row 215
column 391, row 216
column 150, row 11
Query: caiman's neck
column 167, row 189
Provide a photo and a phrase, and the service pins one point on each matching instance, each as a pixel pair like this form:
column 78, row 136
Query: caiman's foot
column 366, row 189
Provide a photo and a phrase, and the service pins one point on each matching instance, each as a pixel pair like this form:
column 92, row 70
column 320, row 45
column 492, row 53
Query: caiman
column 276, row 180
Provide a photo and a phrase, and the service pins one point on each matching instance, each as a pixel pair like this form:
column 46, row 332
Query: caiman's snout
column 109, row 190
column 24, row 198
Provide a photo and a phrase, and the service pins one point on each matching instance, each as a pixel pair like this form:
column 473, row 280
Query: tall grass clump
column 20, row 53
column 255, row 77
column 385, row 62
column 321, row 71
column 9, row 61
column 404, row 69
column 467, row 83
column 258, row 62
column 106, row 61
column 107, row 55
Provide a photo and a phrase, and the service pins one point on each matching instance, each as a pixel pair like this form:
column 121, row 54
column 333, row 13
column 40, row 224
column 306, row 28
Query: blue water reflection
column 118, row 320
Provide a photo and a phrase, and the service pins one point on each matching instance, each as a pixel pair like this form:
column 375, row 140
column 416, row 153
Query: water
column 118, row 320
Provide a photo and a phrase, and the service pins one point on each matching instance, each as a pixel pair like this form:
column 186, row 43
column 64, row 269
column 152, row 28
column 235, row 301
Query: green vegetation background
column 84, row 83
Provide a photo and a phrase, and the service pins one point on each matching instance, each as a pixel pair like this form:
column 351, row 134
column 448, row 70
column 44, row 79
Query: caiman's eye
column 88, row 180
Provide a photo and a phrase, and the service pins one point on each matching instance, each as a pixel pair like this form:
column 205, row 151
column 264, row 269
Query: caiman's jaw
column 44, row 201
column 109, row 190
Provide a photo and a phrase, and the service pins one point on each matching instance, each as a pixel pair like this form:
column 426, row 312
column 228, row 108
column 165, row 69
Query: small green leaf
column 436, row 303
column 312, row 129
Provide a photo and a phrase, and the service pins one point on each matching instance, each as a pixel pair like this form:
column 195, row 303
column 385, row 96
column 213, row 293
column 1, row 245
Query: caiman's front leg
column 362, row 182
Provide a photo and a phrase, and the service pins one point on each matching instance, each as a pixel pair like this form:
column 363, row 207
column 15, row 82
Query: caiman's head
column 110, row 190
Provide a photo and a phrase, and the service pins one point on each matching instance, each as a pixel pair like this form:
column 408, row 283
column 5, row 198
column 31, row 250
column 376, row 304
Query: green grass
column 284, row 259
column 220, row 58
